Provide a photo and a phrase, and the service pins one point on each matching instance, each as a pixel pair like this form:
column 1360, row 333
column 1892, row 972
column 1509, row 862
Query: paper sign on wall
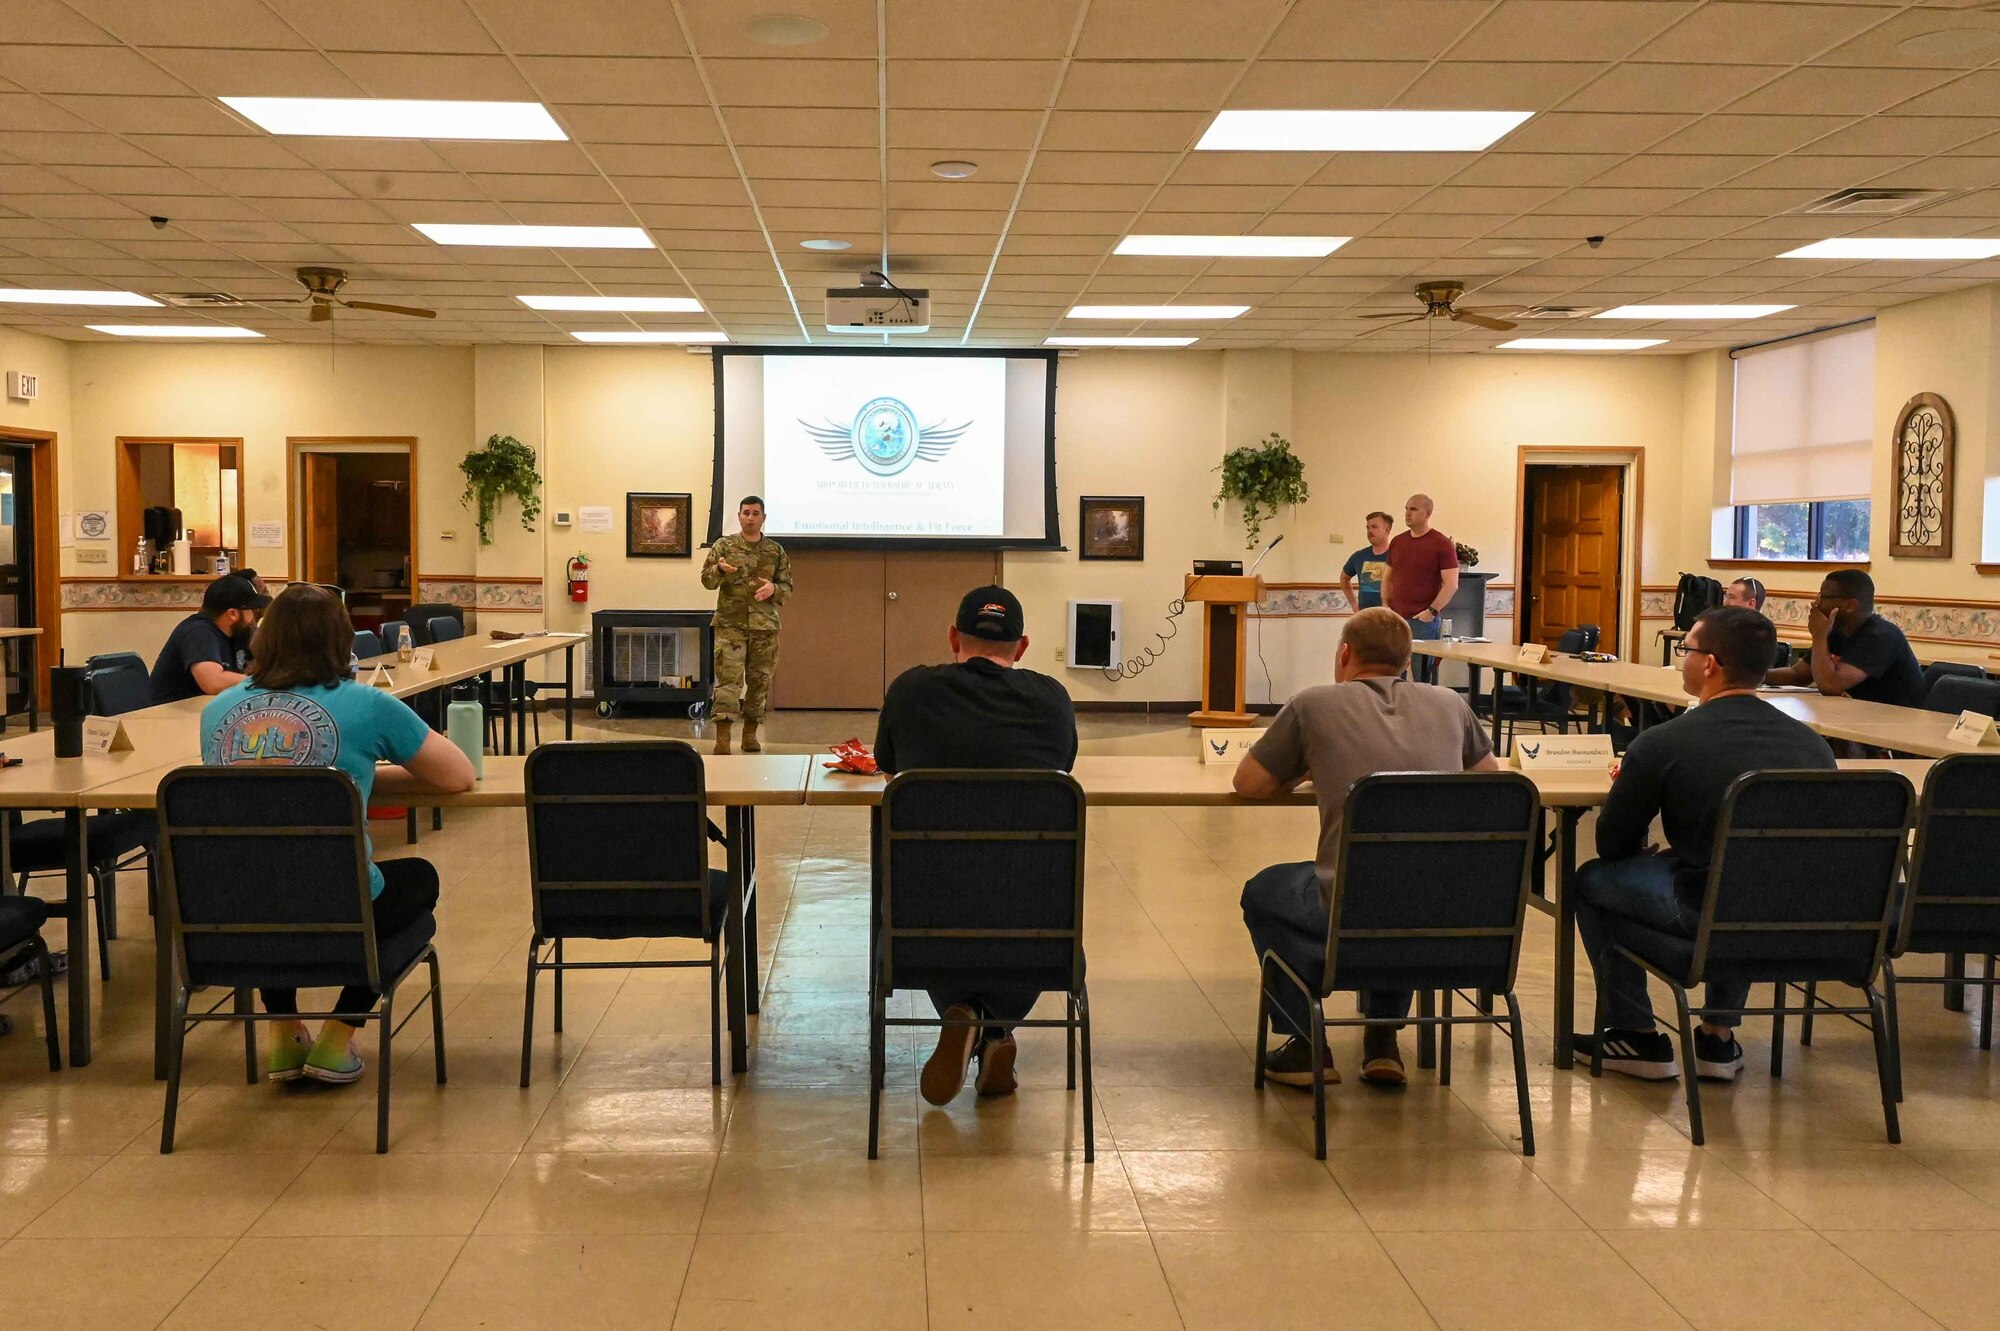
column 267, row 534
column 1563, row 753
column 593, row 517
column 424, row 658
column 104, row 734
column 1972, row 730
column 93, row 524
column 1533, row 653
column 1223, row 745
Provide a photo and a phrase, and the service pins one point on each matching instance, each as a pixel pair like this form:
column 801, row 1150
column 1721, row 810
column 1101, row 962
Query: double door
column 17, row 565
column 856, row 619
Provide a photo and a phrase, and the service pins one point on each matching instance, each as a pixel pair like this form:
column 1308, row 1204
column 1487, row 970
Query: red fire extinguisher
column 579, row 578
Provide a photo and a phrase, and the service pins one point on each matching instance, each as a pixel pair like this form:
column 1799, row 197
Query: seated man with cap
column 209, row 651
column 981, row 711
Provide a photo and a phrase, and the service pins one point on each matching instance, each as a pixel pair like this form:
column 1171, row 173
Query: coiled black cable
column 1134, row 666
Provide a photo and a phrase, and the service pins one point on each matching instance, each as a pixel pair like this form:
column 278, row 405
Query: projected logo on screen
column 885, row 437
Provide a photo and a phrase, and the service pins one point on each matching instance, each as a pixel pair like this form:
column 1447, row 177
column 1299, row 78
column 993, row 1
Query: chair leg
column 437, row 818
column 244, row 1004
column 107, row 898
column 1520, row 1071
column 1688, row 1077
column 50, row 1031
column 1895, row 1025
column 1263, row 1021
column 1985, row 1007
column 1069, row 1034
column 878, row 1059
column 715, row 1013
column 176, row 1049
column 558, row 986
column 1885, row 1072
column 1089, row 1086
column 1806, row 1017
column 1427, row 1048
column 437, row 1015
column 1444, row 1043
column 528, row 1011
column 1778, row 1031
column 103, row 924
column 1316, row 1020
column 1597, row 1036
column 410, row 827
column 382, row 1072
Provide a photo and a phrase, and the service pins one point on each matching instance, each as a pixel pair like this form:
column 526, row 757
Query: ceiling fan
column 1438, row 298
column 323, row 293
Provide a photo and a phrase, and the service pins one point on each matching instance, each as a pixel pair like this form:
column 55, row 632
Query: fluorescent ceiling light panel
column 649, row 339
column 1234, row 247
column 615, row 304
column 53, row 296
column 1156, row 311
column 1118, row 341
column 392, row 118
column 1359, row 131
column 1891, row 247
column 1691, row 311
column 1581, row 343
column 543, row 237
column 173, row 330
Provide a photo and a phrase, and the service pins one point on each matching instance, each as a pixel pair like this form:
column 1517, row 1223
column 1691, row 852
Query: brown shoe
column 1381, row 1058
column 723, row 732
column 751, row 744
column 996, row 1067
column 944, row 1073
column 1290, row 1064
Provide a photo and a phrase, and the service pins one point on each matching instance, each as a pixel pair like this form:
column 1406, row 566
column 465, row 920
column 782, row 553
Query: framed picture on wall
column 657, row 526
column 1112, row 527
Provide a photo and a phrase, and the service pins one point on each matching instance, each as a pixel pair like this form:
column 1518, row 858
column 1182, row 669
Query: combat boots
column 722, row 735
column 751, row 744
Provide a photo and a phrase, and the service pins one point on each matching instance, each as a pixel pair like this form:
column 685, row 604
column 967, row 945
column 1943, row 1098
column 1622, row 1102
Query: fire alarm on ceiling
column 23, row 387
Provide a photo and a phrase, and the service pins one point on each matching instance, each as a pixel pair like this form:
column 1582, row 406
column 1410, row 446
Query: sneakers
column 996, row 1067
column 1647, row 1055
column 339, row 1065
column 1381, row 1059
column 1717, row 1058
column 287, row 1059
column 1290, row 1064
column 944, row 1073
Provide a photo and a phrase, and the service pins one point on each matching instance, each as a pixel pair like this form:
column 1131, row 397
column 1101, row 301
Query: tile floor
column 623, row 1189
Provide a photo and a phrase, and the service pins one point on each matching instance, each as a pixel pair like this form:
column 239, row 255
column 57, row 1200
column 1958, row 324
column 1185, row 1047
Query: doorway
column 1578, row 559
column 29, row 566
column 863, row 617
column 354, row 507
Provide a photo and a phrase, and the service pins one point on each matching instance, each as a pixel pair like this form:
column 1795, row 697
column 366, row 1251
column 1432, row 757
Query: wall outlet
column 1061, row 654
column 447, row 535
column 92, row 554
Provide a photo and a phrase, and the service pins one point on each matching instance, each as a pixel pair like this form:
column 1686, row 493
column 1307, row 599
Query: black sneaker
column 1291, row 1065
column 1647, row 1055
column 1717, row 1058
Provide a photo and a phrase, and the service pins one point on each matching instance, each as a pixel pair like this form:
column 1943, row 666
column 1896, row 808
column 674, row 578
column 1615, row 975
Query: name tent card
column 424, row 658
column 1533, row 653
column 1973, row 729
column 1563, row 753
column 104, row 734
column 379, row 678
column 1222, row 745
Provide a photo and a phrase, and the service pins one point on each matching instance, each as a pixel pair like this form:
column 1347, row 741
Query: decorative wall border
column 1325, row 600
column 470, row 592
column 117, row 594
column 1922, row 619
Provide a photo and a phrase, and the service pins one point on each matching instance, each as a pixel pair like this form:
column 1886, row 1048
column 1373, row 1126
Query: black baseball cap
column 992, row 613
column 232, row 592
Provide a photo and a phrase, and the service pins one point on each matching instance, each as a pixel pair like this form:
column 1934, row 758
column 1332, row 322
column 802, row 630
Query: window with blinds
column 1800, row 467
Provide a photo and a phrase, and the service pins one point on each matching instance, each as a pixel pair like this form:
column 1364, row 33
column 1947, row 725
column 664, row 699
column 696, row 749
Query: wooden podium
column 1224, row 620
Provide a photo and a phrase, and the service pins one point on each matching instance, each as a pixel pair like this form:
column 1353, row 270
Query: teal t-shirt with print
column 1366, row 568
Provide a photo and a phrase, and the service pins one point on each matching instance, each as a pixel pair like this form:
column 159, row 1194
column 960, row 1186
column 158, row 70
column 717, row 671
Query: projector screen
column 888, row 447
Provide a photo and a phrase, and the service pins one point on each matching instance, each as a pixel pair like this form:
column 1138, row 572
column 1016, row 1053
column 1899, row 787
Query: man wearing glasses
column 1855, row 651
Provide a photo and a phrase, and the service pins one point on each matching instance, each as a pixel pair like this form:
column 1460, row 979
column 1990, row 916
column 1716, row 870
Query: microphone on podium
column 1267, row 550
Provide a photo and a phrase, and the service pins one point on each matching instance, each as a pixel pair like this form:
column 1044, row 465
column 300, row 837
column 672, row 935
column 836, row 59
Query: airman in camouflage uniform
column 751, row 575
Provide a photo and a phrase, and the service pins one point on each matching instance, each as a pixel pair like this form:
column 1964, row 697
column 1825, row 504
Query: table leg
column 1566, row 825
column 32, row 649
column 752, row 1003
column 519, row 693
column 735, row 818
column 76, row 848
column 1498, row 674
column 1954, row 994
column 569, row 691
column 163, row 976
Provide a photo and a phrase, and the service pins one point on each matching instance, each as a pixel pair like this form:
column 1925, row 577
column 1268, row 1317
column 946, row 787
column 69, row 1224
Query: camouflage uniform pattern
column 746, row 629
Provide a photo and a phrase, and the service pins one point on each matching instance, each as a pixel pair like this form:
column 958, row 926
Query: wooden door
column 321, row 540
column 830, row 653
column 1574, row 550
column 923, row 591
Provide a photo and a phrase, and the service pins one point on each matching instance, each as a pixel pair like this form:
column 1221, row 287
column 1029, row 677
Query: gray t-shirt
column 1339, row 733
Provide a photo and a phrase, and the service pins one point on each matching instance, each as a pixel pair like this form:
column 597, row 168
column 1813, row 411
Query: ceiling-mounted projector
column 877, row 309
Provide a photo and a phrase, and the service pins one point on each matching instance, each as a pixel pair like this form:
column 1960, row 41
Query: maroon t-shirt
column 1416, row 570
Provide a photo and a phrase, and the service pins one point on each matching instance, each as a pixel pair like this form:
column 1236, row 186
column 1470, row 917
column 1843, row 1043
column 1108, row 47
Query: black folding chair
column 1430, row 889
column 1801, row 891
column 265, row 878
column 979, row 885
column 418, row 619
column 1938, row 670
column 618, row 848
column 21, row 920
column 1952, row 694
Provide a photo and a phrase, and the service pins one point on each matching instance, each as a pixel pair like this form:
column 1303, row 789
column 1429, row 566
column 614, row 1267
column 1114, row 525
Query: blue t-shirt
column 1366, row 568
column 346, row 725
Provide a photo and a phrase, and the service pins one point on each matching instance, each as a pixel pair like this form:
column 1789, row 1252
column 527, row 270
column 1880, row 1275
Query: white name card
column 1973, row 729
column 1220, row 744
column 104, row 734
column 378, row 678
column 424, row 658
column 1533, row 653
column 1563, row 753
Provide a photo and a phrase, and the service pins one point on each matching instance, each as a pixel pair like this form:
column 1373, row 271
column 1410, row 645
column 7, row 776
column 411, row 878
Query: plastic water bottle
column 465, row 726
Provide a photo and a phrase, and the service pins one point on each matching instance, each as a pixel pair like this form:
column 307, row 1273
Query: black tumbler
column 66, row 705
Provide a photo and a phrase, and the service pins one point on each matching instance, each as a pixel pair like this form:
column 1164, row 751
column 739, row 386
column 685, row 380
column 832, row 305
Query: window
column 170, row 489
column 1799, row 447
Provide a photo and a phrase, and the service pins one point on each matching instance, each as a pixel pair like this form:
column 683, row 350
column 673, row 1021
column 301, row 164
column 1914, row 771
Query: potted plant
column 1467, row 556
column 505, row 466
column 1261, row 477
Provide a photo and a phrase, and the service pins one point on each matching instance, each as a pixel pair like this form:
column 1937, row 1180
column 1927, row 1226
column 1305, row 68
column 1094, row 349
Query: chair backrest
column 446, row 629
column 366, row 644
column 1431, row 880
column 1953, row 694
column 1937, row 670
column 117, row 682
column 611, row 827
column 1802, row 879
column 1953, row 899
column 420, row 616
column 391, row 632
column 239, row 921
column 981, row 874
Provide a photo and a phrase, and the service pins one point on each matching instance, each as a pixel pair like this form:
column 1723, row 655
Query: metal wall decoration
column 1925, row 437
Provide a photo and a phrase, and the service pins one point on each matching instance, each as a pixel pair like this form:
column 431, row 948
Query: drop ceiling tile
column 19, row 180
column 1589, row 29
column 1637, row 87
column 778, row 81
column 1177, row 29
column 1910, row 136
column 972, row 84
column 819, row 193
column 1375, row 29
column 1017, row 30
column 192, row 150
column 667, row 217
column 1969, row 95
column 1765, row 135
column 586, row 27
column 1456, row 198
column 357, row 154
column 1670, row 172
column 272, row 183
column 1282, row 85
column 385, row 25
column 215, row 23
column 51, row 149
column 1731, row 33
column 392, row 186
column 829, row 128
column 1880, row 47
column 995, row 164
column 548, row 189
column 152, row 115
column 615, row 80
column 466, row 77
column 684, row 190
column 1469, row 86
column 88, row 69
column 640, row 124
column 655, row 159
column 1938, row 173
column 960, row 131
column 1084, row 167
column 1594, row 132
column 1829, row 91
column 25, row 111
column 721, row 28
column 1220, row 198
column 972, row 194
column 1124, row 131
column 517, row 158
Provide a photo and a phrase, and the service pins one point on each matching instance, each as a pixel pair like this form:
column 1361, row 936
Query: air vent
column 1556, row 312
column 1875, row 202
column 199, row 299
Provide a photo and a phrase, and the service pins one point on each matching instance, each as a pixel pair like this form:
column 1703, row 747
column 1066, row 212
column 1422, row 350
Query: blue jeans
column 1283, row 909
column 1641, row 889
column 1424, row 669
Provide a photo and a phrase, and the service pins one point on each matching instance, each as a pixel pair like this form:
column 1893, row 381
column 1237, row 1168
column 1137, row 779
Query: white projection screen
column 887, row 447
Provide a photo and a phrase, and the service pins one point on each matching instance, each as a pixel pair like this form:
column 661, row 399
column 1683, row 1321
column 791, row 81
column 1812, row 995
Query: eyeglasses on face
column 1682, row 649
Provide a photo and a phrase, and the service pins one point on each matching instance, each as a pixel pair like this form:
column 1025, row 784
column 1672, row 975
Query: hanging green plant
column 1261, row 477
column 506, row 466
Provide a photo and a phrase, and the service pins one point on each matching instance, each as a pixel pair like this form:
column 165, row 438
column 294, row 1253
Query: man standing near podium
column 751, row 575
column 1421, row 580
